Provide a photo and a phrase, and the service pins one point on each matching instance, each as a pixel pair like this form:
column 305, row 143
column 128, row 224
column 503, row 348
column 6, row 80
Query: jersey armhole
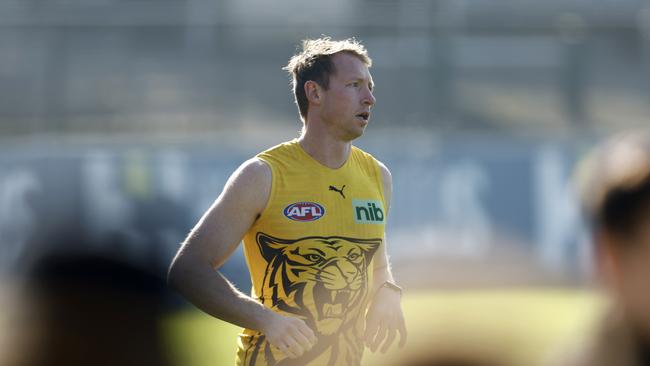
column 271, row 192
column 380, row 182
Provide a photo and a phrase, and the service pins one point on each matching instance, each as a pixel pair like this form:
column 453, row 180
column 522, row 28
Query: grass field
column 515, row 326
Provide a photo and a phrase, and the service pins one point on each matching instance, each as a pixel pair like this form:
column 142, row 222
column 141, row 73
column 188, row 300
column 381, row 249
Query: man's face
column 345, row 105
column 629, row 276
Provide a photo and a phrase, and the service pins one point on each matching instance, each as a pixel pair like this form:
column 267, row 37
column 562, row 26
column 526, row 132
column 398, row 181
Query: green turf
column 520, row 327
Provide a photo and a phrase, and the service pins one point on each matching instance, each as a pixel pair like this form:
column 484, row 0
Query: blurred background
column 120, row 121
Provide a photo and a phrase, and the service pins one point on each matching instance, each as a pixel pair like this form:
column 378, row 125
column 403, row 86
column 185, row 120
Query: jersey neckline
column 317, row 163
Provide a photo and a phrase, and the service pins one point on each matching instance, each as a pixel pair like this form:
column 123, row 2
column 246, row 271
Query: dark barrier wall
column 454, row 198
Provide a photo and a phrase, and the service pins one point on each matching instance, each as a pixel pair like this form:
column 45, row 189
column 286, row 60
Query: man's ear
column 313, row 92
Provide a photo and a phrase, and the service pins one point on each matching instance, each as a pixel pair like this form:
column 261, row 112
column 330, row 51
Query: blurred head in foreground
column 89, row 309
column 458, row 359
column 616, row 199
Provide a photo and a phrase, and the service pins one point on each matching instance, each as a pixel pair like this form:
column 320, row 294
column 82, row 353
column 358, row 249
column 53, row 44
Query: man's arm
column 384, row 318
column 382, row 271
column 193, row 271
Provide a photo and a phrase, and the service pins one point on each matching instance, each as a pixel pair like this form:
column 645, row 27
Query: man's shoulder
column 385, row 172
column 254, row 171
column 280, row 148
column 260, row 165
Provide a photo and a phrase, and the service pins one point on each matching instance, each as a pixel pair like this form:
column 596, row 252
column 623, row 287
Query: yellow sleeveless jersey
column 310, row 253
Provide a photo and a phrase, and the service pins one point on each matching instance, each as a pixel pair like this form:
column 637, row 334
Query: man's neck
column 323, row 147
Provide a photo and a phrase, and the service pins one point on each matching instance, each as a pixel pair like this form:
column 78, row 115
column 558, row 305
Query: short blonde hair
column 314, row 63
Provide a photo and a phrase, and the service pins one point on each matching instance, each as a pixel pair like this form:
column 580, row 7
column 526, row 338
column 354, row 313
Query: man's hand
column 290, row 335
column 384, row 319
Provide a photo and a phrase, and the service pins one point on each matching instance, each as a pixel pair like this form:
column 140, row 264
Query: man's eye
column 353, row 256
column 355, row 84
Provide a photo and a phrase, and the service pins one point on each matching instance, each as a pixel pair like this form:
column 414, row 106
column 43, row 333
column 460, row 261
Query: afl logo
column 304, row 211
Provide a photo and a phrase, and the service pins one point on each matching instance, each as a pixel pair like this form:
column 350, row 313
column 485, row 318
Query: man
column 616, row 197
column 311, row 213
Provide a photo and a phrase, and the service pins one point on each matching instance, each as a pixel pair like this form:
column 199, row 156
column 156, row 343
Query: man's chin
column 362, row 123
column 355, row 133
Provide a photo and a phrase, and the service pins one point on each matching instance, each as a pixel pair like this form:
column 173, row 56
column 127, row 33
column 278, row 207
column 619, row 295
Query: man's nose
column 369, row 99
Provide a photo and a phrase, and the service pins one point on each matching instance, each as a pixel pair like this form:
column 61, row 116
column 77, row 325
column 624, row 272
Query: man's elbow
column 186, row 268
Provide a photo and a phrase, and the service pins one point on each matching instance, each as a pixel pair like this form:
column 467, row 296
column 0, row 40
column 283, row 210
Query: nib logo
column 368, row 211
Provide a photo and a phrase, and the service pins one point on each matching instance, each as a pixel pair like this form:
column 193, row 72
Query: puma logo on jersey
column 340, row 191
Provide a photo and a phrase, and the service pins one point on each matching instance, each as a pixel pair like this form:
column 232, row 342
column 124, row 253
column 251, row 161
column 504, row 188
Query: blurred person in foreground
column 460, row 352
column 89, row 309
column 451, row 360
column 616, row 198
column 311, row 212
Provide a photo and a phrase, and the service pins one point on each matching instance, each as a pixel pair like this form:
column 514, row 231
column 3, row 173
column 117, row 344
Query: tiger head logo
column 320, row 279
